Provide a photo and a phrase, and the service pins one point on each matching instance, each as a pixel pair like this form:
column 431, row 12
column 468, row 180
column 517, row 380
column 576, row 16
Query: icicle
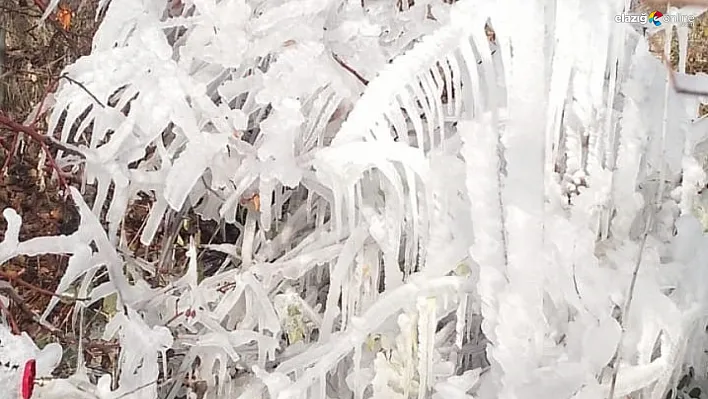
column 610, row 154
column 461, row 321
column 346, row 294
column 664, row 125
column 352, row 205
column 398, row 123
column 562, row 65
column 408, row 105
column 337, row 279
column 322, row 388
column 433, row 92
column 248, row 237
column 426, row 341
column 265, row 193
column 409, row 343
column 692, row 172
column 456, row 84
column 358, row 388
column 523, row 194
column 417, row 87
column 447, row 80
column 472, row 95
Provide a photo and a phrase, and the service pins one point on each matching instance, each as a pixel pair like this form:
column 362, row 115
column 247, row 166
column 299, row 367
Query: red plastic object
column 28, row 379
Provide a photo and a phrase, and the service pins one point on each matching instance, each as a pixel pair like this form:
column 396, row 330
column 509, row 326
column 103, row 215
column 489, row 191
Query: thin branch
column 10, row 318
column 41, row 4
column 43, row 141
column 81, row 85
column 67, row 148
column 56, row 332
column 173, row 318
column 10, row 154
column 50, row 86
column 350, row 69
column 16, row 279
column 615, row 362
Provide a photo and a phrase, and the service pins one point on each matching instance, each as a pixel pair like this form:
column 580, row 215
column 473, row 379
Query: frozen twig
column 44, row 141
column 55, row 331
column 16, row 279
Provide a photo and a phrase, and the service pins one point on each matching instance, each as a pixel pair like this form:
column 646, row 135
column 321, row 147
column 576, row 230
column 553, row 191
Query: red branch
column 32, row 132
column 41, row 4
column 50, row 87
column 14, row 278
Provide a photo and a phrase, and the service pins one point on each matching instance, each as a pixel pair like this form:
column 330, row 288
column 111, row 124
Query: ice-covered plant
column 432, row 199
column 21, row 363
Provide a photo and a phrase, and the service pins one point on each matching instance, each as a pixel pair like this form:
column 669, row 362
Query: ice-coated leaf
column 600, row 343
column 190, row 166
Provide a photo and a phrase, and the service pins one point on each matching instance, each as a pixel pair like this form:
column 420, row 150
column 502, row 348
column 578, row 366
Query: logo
column 655, row 17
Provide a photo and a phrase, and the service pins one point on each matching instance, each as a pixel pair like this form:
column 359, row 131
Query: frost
column 430, row 200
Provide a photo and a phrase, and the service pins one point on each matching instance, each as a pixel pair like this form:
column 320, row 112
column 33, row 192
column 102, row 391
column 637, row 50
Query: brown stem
column 39, row 138
column 40, row 4
column 173, row 318
column 350, row 69
column 56, row 332
column 51, row 86
column 13, row 325
column 10, row 154
column 16, row 279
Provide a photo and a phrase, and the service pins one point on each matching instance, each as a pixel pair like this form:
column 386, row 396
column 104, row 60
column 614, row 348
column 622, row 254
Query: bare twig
column 173, row 226
column 56, row 332
column 350, row 69
column 51, row 86
column 10, row 318
column 43, row 141
column 41, row 4
column 81, row 85
column 173, row 318
column 13, row 278
column 10, row 154
column 615, row 362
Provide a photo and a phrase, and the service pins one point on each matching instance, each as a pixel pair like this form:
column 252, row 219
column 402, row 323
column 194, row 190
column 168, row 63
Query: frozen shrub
column 475, row 200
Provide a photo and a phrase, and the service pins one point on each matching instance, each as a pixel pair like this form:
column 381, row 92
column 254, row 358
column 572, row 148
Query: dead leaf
column 64, row 16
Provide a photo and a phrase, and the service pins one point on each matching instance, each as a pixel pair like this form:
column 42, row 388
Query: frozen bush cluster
column 485, row 199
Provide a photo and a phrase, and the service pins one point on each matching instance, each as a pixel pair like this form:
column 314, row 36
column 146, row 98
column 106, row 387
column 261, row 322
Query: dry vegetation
column 35, row 54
